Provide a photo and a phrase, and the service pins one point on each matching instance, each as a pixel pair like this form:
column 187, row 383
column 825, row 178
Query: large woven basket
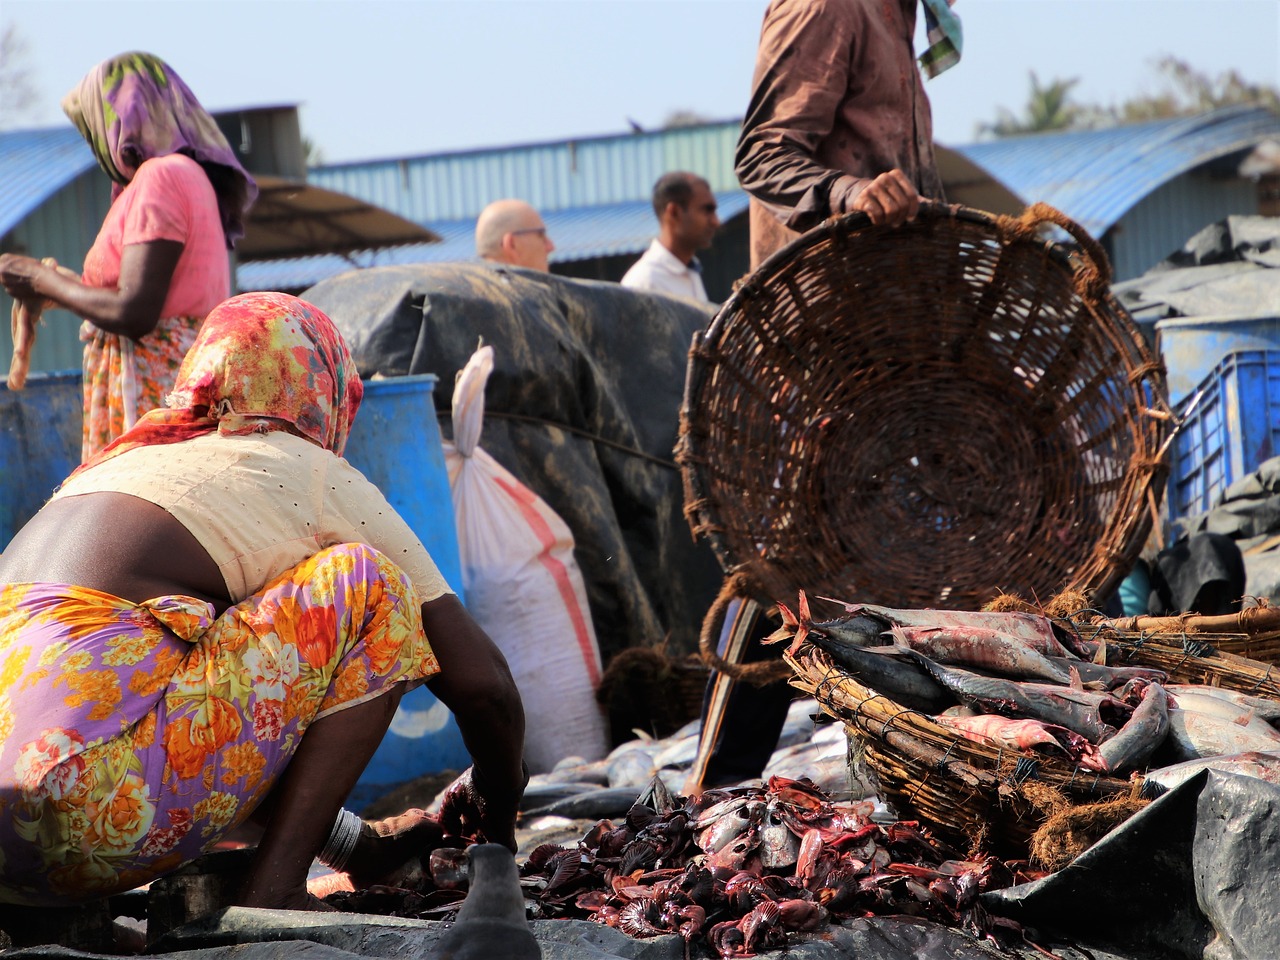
column 925, row 416
column 973, row 793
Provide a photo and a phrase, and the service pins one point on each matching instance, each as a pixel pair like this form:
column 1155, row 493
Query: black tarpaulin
column 582, row 407
column 1190, row 876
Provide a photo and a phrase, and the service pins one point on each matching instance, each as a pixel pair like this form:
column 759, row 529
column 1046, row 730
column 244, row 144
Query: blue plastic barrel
column 395, row 442
column 40, row 430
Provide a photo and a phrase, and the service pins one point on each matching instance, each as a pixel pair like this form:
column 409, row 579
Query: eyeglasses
column 540, row 231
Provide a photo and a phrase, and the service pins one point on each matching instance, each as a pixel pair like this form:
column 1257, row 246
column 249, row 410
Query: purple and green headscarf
column 134, row 107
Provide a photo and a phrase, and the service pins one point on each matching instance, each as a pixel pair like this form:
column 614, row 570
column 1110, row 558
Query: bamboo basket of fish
column 991, row 797
column 926, row 415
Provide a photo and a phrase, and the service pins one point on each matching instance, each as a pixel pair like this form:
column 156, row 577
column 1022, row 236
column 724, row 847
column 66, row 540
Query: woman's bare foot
column 390, row 851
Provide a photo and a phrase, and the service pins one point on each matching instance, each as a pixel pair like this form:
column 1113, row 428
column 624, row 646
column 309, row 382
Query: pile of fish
column 1013, row 681
column 735, row 871
column 741, row 869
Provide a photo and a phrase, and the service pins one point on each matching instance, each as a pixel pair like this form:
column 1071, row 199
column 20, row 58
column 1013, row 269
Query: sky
column 391, row 78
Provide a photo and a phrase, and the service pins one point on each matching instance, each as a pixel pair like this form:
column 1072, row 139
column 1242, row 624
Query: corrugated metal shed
column 36, row 164
column 1096, row 176
column 582, row 233
column 562, row 175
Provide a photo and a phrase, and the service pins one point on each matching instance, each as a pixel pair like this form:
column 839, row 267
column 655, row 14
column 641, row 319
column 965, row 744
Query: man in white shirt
column 687, row 223
column 512, row 232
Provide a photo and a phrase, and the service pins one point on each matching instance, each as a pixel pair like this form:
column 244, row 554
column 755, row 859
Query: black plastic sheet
column 1190, row 876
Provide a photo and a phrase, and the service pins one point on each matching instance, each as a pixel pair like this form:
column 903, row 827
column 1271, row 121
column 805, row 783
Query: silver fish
column 1141, row 735
column 1110, row 677
column 577, row 770
column 1254, row 763
column 603, row 803
column 1201, row 725
column 983, row 648
column 886, row 672
column 1078, row 710
column 631, row 764
column 1036, row 630
column 1262, row 707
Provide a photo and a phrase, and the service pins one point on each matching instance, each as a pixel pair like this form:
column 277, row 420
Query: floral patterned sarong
column 124, row 378
column 134, row 736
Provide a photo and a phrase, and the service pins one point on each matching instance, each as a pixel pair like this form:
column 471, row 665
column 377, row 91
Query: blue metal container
column 40, row 433
column 1231, row 423
column 395, row 442
column 1193, row 346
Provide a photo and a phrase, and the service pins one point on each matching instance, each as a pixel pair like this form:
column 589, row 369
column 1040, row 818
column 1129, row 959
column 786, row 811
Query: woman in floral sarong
column 160, row 261
column 214, row 618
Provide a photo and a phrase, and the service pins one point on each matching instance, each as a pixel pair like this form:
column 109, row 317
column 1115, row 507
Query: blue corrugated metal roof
column 1096, row 176
column 559, row 175
column 583, row 233
column 36, row 164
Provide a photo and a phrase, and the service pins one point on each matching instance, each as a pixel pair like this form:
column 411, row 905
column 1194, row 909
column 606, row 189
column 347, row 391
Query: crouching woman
column 212, row 622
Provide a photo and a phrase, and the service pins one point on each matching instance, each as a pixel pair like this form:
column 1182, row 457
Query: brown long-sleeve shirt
column 836, row 100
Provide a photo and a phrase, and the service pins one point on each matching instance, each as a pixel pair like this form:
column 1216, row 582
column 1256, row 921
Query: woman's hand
column 19, row 274
column 480, row 811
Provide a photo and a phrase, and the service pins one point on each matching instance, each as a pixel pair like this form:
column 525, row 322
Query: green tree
column 1049, row 108
column 1188, row 91
column 1185, row 92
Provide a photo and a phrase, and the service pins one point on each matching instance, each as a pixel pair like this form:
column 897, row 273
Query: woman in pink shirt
column 160, row 262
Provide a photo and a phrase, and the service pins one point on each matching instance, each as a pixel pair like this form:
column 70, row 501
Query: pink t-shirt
column 169, row 198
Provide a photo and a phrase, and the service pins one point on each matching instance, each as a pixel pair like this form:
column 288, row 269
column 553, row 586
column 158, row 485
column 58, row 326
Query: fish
column 779, row 847
column 1019, row 734
column 1263, row 707
column 601, row 804
column 884, row 670
column 540, row 792
column 24, row 315
column 983, row 648
column 1110, row 677
column 1202, row 725
column 679, row 752
column 578, row 770
column 1143, row 733
column 632, row 764
column 1265, row 765
column 1036, row 630
column 1078, row 710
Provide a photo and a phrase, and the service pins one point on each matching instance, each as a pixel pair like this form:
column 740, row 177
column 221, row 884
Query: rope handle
column 1039, row 213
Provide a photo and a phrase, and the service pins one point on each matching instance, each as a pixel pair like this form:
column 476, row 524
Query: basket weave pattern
column 925, row 416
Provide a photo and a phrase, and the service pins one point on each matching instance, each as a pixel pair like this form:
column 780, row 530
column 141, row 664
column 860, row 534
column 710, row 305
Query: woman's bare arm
column 132, row 308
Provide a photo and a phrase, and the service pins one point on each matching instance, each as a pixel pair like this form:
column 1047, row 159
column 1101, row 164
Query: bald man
column 512, row 232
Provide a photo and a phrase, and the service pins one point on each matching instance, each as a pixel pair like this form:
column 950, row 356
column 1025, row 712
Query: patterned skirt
column 124, row 378
column 133, row 737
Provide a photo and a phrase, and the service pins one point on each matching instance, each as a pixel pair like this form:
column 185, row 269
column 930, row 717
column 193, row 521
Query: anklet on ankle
column 342, row 840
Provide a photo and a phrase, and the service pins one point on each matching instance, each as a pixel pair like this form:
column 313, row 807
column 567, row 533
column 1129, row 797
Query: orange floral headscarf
column 262, row 362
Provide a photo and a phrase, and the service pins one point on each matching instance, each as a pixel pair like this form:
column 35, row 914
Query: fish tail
column 789, row 622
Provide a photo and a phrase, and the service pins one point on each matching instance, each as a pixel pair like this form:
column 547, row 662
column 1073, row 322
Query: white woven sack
column 523, row 586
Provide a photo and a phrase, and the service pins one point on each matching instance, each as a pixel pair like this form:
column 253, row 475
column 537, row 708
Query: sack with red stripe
column 523, row 586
